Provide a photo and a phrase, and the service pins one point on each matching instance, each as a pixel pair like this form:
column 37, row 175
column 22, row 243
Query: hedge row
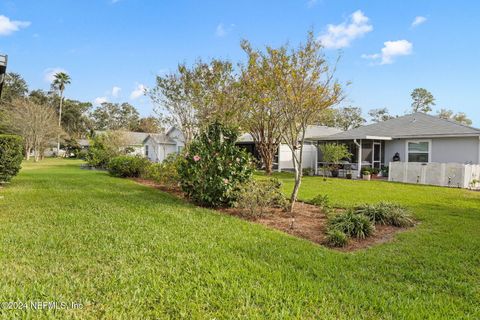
column 11, row 156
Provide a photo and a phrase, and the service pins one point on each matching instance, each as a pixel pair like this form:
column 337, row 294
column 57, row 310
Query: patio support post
column 359, row 162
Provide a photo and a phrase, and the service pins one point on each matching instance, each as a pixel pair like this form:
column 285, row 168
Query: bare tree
column 36, row 123
column 261, row 112
column 307, row 87
column 460, row 117
column 196, row 96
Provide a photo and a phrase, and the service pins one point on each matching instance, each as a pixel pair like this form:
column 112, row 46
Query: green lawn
column 127, row 251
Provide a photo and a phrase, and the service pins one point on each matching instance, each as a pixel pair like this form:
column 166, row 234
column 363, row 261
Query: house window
column 179, row 149
column 146, row 150
column 418, row 151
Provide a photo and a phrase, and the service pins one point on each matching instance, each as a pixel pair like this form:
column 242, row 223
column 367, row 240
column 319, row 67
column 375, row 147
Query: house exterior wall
column 177, row 136
column 443, row 150
column 158, row 152
column 137, row 151
column 392, row 147
column 459, row 150
column 163, row 150
column 152, row 152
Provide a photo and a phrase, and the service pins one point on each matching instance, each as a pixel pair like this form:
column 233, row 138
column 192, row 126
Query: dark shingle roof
column 414, row 125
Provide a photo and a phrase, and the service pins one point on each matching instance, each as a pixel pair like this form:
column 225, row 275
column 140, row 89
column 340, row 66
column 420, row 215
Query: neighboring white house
column 157, row 146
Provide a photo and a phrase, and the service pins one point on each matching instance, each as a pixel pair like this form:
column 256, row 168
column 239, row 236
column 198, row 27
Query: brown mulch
column 149, row 183
column 309, row 221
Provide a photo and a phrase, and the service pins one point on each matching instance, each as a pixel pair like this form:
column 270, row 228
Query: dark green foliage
column 352, row 224
column 215, row 168
column 104, row 147
column 256, row 196
column 128, row 166
column 336, row 238
column 71, row 147
column 165, row 172
column 11, row 156
column 386, row 213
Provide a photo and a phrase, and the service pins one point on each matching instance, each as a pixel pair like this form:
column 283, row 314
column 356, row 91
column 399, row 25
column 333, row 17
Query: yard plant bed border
column 310, row 221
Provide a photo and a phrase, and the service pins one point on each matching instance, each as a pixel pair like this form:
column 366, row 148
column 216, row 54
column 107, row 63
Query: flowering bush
column 214, row 168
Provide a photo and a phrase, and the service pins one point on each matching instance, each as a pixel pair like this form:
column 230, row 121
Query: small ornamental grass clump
column 352, row 224
column 322, row 201
column 11, row 156
column 214, row 168
column 386, row 213
column 256, row 196
column 336, row 238
column 128, row 166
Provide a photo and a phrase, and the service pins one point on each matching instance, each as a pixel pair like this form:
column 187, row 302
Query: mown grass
column 126, row 251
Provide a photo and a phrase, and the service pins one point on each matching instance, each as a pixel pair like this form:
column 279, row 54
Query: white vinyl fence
column 285, row 157
column 455, row 175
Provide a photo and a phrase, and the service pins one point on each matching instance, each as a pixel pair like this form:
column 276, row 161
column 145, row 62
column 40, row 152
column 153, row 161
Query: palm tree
column 61, row 79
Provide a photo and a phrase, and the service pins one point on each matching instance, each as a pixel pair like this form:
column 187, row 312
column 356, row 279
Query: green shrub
column 214, row 168
column 352, row 224
column 386, row 213
column 11, row 156
column 166, row 172
column 82, row 154
column 256, row 196
column 128, row 166
column 72, row 148
column 104, row 147
column 308, row 172
column 322, row 201
column 336, row 238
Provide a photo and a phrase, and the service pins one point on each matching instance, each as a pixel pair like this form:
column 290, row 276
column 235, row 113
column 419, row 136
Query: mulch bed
column 309, row 221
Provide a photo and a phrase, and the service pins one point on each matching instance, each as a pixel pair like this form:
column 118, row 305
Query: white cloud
column 98, row 101
column 116, row 91
column 221, row 30
column 138, row 92
column 311, row 3
column 341, row 35
column 418, row 21
column 49, row 73
column 391, row 50
column 7, row 26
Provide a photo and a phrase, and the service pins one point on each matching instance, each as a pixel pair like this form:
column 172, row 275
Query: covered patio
column 367, row 152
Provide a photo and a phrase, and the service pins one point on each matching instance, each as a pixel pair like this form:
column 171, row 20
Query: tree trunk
column 27, row 153
column 296, row 186
column 36, row 154
column 267, row 159
column 59, row 123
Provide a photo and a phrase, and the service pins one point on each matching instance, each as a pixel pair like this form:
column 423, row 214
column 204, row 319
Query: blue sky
column 112, row 49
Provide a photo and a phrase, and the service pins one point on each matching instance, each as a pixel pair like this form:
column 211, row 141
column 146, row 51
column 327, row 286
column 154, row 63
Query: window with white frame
column 418, row 150
column 146, row 150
